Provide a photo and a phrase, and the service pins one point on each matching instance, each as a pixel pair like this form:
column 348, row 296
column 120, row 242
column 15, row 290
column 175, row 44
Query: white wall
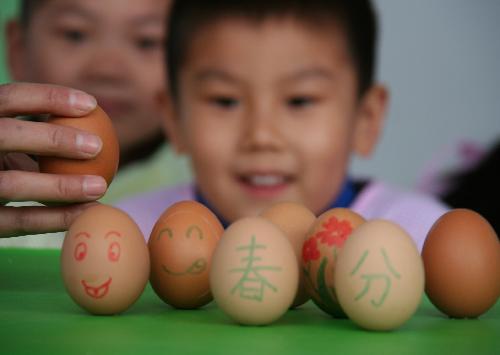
column 441, row 61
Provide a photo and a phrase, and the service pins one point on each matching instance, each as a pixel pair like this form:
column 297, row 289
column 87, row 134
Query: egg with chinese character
column 104, row 260
column 181, row 246
column 294, row 220
column 254, row 274
column 379, row 276
column 320, row 251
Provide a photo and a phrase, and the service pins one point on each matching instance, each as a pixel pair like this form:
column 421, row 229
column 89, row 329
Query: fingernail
column 82, row 101
column 94, row 186
column 88, row 144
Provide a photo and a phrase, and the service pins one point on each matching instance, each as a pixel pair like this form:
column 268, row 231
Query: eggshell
column 462, row 264
column 294, row 220
column 104, row 164
column 379, row 276
column 104, row 260
column 254, row 275
column 181, row 246
column 325, row 241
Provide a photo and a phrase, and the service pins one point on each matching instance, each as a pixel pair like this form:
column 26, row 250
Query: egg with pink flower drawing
column 321, row 248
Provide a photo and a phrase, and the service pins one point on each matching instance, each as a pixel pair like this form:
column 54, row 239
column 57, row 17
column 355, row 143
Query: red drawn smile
column 99, row 291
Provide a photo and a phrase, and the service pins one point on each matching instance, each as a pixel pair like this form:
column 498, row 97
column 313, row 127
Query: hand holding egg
column 19, row 173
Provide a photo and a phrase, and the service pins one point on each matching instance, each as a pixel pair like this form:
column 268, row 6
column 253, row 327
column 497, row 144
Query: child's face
column 270, row 113
column 111, row 49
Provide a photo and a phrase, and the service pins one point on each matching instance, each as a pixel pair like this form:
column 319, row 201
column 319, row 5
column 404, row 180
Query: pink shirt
column 414, row 212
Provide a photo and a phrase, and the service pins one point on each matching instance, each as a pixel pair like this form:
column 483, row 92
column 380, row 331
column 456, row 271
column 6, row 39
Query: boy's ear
column 171, row 122
column 370, row 119
column 15, row 50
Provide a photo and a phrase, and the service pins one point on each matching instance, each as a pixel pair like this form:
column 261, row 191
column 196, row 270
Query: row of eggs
column 259, row 267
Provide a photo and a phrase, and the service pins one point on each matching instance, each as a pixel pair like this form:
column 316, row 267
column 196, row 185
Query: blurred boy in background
column 112, row 50
column 270, row 99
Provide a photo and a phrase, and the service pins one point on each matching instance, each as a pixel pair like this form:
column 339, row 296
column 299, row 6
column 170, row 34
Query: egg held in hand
column 104, row 260
column 104, row 164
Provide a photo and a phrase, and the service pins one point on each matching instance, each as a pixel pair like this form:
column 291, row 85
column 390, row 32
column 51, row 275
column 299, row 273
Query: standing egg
column 379, row 276
column 181, row 247
column 104, row 260
column 462, row 264
column 104, row 164
column 294, row 220
column 320, row 251
column 254, row 275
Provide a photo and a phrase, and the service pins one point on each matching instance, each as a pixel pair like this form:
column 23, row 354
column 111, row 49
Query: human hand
column 19, row 176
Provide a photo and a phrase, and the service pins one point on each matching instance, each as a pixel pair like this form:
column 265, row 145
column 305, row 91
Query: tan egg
column 104, row 164
column 104, row 260
column 181, row 246
column 294, row 220
column 462, row 264
column 379, row 276
column 319, row 255
column 254, row 275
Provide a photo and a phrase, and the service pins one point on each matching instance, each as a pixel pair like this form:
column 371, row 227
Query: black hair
column 26, row 10
column 357, row 18
column 478, row 188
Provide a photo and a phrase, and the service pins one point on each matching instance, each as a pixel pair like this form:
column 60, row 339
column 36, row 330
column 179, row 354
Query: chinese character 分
column 369, row 278
column 252, row 283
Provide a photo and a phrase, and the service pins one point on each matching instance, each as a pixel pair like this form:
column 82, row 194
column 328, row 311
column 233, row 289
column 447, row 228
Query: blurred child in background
column 270, row 99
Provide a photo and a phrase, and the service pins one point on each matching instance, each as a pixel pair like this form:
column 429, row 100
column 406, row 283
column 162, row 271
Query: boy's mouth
column 265, row 185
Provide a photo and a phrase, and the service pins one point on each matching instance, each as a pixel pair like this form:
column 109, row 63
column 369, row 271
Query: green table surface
column 37, row 316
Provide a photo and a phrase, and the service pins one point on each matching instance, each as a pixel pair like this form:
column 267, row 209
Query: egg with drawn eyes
column 104, row 260
column 181, row 246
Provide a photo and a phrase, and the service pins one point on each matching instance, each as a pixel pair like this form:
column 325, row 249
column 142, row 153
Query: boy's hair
column 356, row 17
column 26, row 10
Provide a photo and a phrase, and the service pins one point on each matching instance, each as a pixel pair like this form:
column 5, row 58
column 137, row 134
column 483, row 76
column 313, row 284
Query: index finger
column 28, row 98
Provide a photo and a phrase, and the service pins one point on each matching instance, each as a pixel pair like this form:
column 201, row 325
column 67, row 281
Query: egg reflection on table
column 104, row 260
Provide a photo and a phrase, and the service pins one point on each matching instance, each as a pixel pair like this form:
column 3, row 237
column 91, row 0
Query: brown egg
column 181, row 247
column 319, row 255
column 294, row 220
column 104, row 164
column 104, row 260
column 254, row 274
column 379, row 276
column 462, row 264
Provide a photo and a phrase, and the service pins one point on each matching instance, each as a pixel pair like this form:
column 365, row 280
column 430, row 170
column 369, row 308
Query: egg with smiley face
column 181, row 246
column 104, row 260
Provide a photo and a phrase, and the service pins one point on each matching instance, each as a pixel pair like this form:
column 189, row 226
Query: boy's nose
column 262, row 131
column 107, row 63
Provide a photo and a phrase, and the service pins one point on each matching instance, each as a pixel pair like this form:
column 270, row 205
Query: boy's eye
column 299, row 101
column 74, row 36
column 224, row 102
column 146, row 43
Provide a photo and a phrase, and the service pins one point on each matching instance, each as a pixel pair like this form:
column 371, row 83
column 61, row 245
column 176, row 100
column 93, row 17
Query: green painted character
column 373, row 277
column 252, row 283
